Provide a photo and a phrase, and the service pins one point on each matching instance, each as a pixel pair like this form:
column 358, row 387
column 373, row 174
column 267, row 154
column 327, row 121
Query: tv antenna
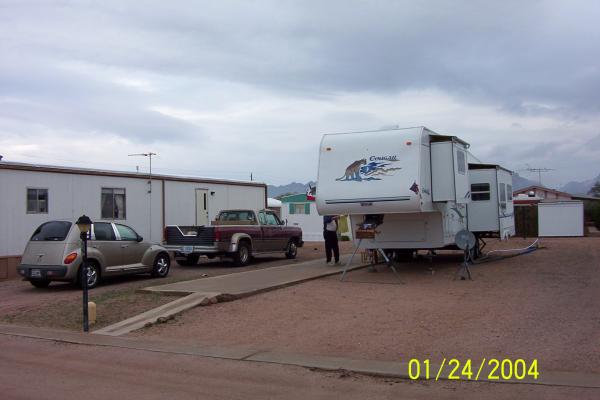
column 538, row 170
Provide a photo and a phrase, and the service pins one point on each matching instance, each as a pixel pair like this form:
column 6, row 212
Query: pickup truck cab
column 238, row 234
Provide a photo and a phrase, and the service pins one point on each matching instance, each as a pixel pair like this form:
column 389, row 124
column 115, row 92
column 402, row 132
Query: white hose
column 506, row 250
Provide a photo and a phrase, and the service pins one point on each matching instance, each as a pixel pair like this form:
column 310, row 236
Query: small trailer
column 403, row 188
column 490, row 212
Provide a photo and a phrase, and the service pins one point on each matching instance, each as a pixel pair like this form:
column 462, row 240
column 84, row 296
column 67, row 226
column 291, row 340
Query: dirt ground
column 544, row 305
column 39, row 369
column 59, row 306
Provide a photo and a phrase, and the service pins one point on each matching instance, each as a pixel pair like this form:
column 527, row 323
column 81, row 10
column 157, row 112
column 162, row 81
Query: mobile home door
column 201, row 207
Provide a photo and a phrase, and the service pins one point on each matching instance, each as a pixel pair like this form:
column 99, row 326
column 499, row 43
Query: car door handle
column 94, row 246
column 124, row 246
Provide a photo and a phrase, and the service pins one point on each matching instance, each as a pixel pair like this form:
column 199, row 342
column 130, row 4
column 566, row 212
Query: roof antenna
column 539, row 172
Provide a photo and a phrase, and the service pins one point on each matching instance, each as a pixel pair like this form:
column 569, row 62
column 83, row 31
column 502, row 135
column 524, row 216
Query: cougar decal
column 353, row 171
column 375, row 169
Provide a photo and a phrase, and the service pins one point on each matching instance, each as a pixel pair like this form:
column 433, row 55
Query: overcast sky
column 222, row 89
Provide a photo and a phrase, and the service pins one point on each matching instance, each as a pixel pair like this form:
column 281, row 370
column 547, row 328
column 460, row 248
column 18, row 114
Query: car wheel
column 192, row 259
column 161, row 266
column 93, row 275
column 292, row 250
column 40, row 283
column 242, row 255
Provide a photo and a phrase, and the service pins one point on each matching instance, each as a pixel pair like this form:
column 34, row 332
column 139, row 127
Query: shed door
column 201, row 207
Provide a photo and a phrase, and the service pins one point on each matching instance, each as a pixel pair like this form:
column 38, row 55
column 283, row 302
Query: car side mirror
column 139, row 238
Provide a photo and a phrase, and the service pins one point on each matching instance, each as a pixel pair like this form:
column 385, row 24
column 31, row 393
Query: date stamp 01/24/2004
column 492, row 369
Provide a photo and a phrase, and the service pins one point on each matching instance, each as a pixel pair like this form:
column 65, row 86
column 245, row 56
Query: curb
column 159, row 314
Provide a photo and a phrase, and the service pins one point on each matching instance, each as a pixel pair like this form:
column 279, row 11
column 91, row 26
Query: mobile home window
column 37, row 201
column 460, row 160
column 502, row 196
column 480, row 191
column 113, row 203
column 299, row 208
column 509, row 193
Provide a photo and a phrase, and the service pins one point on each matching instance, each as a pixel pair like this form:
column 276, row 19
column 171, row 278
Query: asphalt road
column 42, row 369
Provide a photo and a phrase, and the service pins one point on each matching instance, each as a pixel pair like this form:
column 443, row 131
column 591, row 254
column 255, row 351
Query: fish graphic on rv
column 360, row 170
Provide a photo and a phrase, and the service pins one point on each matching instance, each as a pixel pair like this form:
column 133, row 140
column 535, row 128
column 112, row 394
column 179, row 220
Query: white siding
column 71, row 195
column 180, row 198
column 311, row 224
column 560, row 218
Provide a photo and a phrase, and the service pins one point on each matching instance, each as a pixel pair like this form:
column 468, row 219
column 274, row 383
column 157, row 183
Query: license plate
column 36, row 273
column 188, row 249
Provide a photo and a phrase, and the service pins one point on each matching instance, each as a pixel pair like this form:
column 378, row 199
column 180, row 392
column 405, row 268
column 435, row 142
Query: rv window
column 502, row 196
column 509, row 193
column 460, row 160
column 480, row 191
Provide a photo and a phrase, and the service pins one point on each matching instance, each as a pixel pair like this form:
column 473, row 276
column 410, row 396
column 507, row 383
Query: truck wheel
column 40, row 283
column 242, row 256
column 192, row 259
column 161, row 266
column 291, row 250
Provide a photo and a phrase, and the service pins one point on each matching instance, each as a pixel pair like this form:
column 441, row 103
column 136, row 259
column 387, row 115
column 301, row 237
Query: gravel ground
column 59, row 306
column 543, row 305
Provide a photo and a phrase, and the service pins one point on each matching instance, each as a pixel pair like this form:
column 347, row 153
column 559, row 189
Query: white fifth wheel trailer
column 410, row 185
column 491, row 212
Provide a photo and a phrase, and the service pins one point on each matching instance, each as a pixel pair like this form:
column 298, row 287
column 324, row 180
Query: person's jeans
column 331, row 245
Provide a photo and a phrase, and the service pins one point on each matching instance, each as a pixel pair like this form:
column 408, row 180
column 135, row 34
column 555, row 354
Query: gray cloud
column 70, row 66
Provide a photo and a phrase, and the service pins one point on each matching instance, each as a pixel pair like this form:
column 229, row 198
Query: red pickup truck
column 239, row 234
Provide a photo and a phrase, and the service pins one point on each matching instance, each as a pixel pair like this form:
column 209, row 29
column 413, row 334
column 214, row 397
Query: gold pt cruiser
column 54, row 254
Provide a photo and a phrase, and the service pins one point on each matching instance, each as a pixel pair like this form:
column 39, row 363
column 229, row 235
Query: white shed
column 33, row 194
column 560, row 218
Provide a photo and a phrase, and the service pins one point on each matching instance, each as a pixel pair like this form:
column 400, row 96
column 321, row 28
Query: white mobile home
column 491, row 211
column 31, row 195
column 412, row 183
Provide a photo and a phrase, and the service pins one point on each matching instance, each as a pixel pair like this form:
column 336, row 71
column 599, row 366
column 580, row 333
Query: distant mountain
column 519, row 182
column 580, row 187
column 292, row 188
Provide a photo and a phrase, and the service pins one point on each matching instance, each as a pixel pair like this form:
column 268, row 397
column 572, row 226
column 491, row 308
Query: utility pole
column 149, row 155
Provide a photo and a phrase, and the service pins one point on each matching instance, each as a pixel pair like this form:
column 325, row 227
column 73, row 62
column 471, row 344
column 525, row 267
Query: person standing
column 330, row 226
